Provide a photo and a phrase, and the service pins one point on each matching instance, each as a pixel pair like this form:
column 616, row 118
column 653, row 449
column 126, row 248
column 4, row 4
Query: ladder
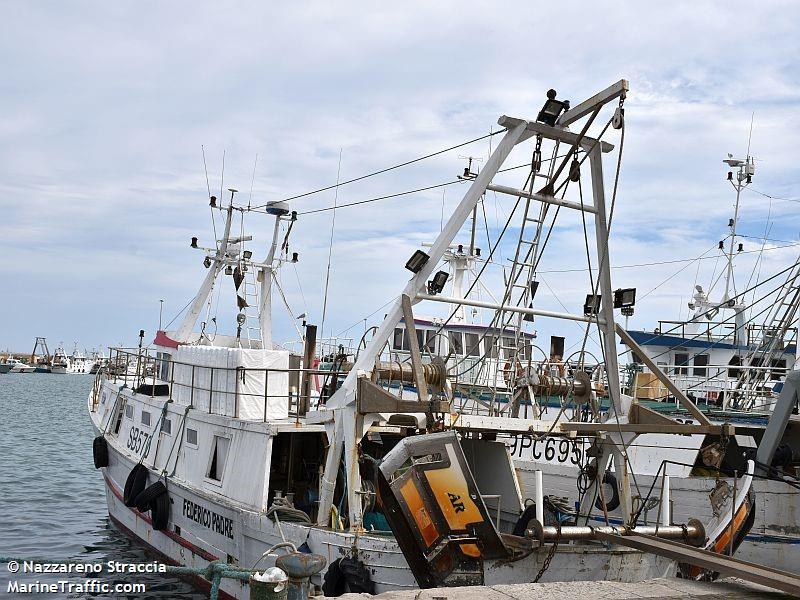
column 763, row 352
column 520, row 287
column 252, row 326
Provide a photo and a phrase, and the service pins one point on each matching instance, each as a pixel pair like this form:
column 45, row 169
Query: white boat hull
column 206, row 526
column 774, row 539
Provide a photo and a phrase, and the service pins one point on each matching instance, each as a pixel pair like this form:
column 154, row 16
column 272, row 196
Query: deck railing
column 222, row 388
column 707, row 384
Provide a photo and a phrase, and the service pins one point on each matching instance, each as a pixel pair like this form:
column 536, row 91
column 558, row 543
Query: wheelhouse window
column 456, row 339
column 166, row 426
column 700, row 364
column 681, row 360
column 491, row 343
column 145, row 418
column 508, row 347
column 129, row 411
column 219, row 455
column 426, row 338
column 400, row 341
column 735, row 361
column 473, row 344
column 163, row 365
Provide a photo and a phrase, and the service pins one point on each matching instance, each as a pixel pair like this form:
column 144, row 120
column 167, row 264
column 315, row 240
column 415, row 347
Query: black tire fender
column 134, row 484
column 100, row 452
column 357, row 576
column 613, row 502
column 159, row 511
column 333, row 584
column 148, row 494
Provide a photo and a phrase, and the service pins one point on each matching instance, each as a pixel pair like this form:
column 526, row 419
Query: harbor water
column 52, row 502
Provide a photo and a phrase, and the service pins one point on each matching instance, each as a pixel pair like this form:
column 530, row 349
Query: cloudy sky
column 104, row 108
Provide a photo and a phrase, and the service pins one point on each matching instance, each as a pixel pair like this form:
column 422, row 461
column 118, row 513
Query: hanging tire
column 613, row 502
column 134, row 484
column 333, row 584
column 100, row 452
column 159, row 511
column 357, row 576
column 148, row 494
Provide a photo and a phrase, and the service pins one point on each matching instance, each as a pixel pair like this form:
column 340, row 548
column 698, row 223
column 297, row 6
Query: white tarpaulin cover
column 244, row 381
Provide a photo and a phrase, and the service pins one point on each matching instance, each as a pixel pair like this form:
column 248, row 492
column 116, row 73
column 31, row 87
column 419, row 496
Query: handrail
column 155, row 370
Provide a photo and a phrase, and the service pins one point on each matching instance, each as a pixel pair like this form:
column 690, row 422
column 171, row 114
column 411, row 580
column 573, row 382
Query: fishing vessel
column 77, row 362
column 229, row 448
column 43, row 362
column 728, row 362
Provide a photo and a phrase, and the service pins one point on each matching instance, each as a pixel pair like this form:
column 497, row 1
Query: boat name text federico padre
column 208, row 518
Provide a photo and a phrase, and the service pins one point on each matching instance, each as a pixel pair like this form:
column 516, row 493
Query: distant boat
column 77, row 362
column 17, row 366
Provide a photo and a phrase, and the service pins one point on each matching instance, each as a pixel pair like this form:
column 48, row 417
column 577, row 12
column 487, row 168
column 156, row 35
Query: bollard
column 300, row 567
column 272, row 584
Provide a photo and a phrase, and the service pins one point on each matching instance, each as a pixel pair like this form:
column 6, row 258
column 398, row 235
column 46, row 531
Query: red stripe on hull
column 170, row 534
column 198, row 581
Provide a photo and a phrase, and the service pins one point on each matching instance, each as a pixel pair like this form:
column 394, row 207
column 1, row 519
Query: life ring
column 100, row 452
column 613, row 502
column 347, row 575
column 134, row 484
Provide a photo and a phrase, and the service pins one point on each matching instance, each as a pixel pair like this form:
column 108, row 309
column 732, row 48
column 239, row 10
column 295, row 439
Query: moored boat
column 226, row 447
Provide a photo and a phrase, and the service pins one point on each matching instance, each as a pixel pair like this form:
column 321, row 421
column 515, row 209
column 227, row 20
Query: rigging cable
column 386, row 170
column 330, row 249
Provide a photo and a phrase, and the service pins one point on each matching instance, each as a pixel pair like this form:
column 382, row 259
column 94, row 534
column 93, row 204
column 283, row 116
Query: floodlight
column 552, row 109
column 624, row 297
column 417, row 261
column 194, row 242
column 592, row 304
column 229, row 270
column 206, row 262
column 213, row 201
column 436, row 285
column 247, row 254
